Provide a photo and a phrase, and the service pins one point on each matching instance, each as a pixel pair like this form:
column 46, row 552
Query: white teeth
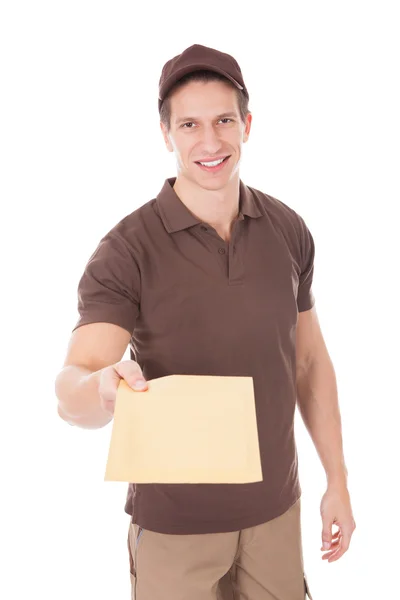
column 212, row 164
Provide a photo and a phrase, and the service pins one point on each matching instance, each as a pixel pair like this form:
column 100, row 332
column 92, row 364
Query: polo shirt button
column 221, row 250
column 203, row 228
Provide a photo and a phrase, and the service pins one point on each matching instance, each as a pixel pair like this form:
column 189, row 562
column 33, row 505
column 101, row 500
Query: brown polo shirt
column 197, row 305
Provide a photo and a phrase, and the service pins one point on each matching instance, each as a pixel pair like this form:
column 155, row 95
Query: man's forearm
column 77, row 390
column 319, row 407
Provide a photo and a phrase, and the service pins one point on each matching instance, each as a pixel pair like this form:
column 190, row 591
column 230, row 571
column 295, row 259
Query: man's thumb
column 327, row 536
column 139, row 384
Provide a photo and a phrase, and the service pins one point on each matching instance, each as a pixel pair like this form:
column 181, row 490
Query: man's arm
column 92, row 347
column 318, row 404
column 317, row 396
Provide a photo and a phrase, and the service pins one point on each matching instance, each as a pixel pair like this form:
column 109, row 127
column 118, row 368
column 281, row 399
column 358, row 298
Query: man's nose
column 211, row 140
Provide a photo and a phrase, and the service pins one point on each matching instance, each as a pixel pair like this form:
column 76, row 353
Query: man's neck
column 218, row 208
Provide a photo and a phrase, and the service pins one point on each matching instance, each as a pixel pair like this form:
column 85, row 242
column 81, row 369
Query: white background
column 81, row 148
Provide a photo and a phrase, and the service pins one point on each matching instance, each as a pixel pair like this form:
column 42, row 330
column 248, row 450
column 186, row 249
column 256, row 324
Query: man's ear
column 247, row 127
column 166, row 137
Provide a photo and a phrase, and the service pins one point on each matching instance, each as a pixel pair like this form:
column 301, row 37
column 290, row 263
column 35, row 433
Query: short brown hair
column 205, row 75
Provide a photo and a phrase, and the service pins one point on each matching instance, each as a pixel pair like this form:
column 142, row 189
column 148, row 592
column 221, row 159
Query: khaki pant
column 264, row 562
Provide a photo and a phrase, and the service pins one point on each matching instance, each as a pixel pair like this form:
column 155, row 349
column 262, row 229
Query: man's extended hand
column 336, row 510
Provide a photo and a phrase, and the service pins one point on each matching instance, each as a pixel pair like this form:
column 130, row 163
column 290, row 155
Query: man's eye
column 191, row 122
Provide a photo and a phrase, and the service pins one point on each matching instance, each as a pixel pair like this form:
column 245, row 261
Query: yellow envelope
column 185, row 429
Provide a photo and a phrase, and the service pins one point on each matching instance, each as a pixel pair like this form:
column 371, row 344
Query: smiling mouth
column 212, row 163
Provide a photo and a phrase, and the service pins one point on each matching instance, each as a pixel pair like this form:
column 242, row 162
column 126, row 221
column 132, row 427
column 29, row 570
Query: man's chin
column 210, row 182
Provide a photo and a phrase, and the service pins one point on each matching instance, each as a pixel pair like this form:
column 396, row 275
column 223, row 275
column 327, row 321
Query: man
column 213, row 277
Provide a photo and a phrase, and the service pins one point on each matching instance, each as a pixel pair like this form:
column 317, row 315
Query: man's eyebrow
column 221, row 116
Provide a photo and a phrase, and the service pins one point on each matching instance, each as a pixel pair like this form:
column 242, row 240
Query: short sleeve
column 109, row 289
column 305, row 296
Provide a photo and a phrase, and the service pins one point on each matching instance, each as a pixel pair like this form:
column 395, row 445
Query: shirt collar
column 176, row 216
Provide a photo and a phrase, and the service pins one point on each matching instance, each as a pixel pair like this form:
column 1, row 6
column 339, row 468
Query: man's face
column 205, row 126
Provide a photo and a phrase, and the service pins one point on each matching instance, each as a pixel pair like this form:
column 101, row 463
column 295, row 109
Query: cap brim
column 168, row 83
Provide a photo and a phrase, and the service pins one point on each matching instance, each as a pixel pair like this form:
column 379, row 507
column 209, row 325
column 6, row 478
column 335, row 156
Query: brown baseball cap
column 196, row 58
